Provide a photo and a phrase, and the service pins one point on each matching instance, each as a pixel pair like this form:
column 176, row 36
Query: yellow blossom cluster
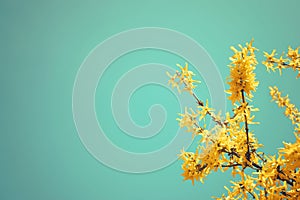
column 291, row 60
column 189, row 120
column 183, row 77
column 230, row 144
column 290, row 109
column 242, row 78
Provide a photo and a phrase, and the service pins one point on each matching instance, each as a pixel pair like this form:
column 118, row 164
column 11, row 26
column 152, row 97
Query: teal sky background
column 43, row 44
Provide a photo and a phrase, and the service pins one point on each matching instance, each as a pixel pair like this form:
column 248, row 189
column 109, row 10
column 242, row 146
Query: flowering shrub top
column 230, row 144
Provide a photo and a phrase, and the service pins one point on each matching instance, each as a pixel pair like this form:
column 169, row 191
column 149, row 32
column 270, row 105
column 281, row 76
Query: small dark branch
column 232, row 165
column 229, row 165
column 217, row 121
column 260, row 157
column 287, row 181
column 200, row 103
column 196, row 124
column 246, row 128
column 257, row 166
column 243, row 188
column 233, row 116
column 285, row 194
column 284, row 64
column 250, row 193
column 234, row 153
column 201, row 167
column 266, row 193
column 231, row 152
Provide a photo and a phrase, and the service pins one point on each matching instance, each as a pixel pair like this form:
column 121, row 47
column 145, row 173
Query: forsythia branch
column 246, row 127
column 230, row 144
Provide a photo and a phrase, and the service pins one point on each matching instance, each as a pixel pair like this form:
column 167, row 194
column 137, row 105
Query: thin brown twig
column 201, row 103
column 246, row 127
column 284, row 64
column 251, row 193
column 232, row 165
column 260, row 157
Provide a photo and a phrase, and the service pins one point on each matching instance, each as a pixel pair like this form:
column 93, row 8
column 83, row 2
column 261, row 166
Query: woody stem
column 200, row 103
column 246, row 127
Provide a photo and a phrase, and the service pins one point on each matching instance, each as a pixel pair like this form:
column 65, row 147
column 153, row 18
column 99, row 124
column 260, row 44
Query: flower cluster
column 290, row 109
column 230, row 144
column 291, row 60
column 189, row 120
column 242, row 78
column 183, row 77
